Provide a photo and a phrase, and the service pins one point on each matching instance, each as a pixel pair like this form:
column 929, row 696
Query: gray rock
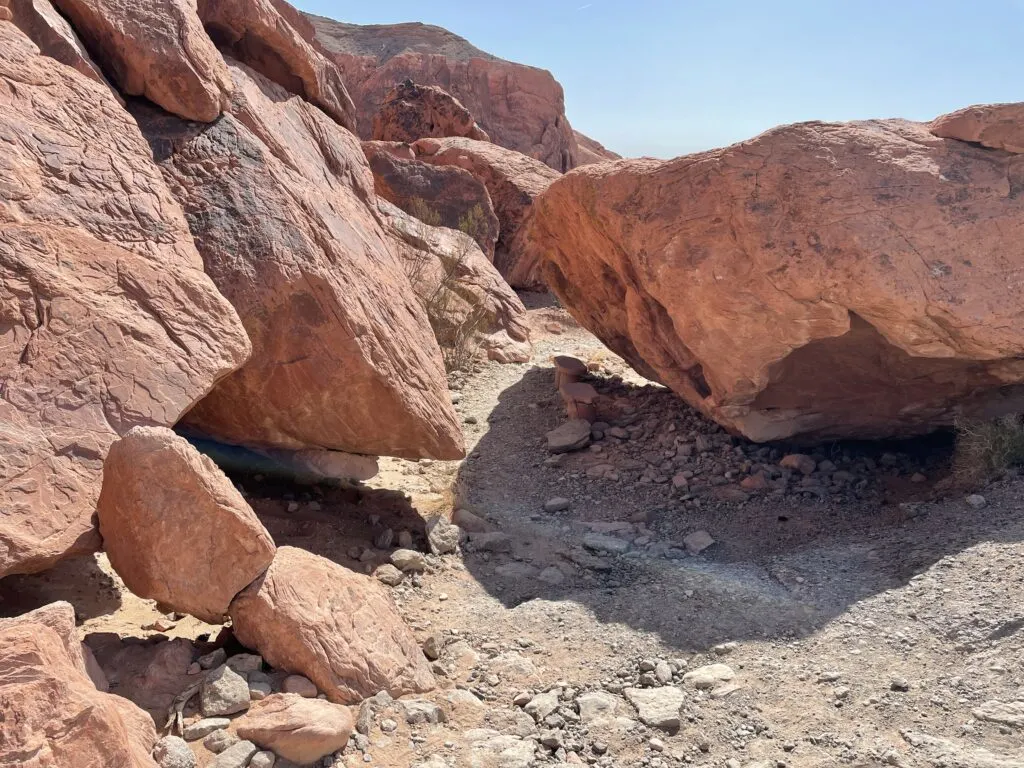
column 710, row 676
column 1005, row 712
column 542, row 705
column 976, row 500
column 388, row 574
column 244, row 663
column 443, row 537
column 173, row 752
column 557, row 504
column 422, row 711
column 663, row 672
column 204, row 727
column 213, row 659
column 263, row 760
column 601, row 542
column 697, row 542
column 218, row 741
column 596, row 705
column 551, row 575
column 259, row 690
column 657, row 707
column 237, row 755
column 224, row 692
column 491, row 541
column 572, row 436
column 408, row 560
column 432, row 646
column 303, row 686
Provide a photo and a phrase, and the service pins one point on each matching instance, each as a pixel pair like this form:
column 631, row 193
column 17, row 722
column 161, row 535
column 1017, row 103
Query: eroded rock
column 298, row 729
column 410, row 112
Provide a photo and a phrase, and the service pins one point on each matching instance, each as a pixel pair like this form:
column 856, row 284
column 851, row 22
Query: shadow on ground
column 780, row 567
column 79, row 580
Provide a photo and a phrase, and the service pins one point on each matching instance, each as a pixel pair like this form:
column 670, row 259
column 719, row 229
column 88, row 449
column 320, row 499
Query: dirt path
column 861, row 618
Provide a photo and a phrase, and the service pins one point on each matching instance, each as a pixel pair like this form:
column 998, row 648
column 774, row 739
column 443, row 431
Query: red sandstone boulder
column 298, row 729
column 513, row 181
column 818, row 281
column 999, row 126
column 175, row 528
column 340, row 629
column 591, row 151
column 277, row 41
column 156, row 49
column 52, row 715
column 443, row 196
column 41, row 22
column 469, row 305
column 521, row 108
column 109, row 320
column 281, row 205
column 412, row 112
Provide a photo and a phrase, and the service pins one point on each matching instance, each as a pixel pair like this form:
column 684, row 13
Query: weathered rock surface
column 513, row 181
column 277, row 41
column 520, row 107
column 279, row 201
column 52, row 713
column 410, row 112
column 467, row 301
column 592, row 151
column 156, row 49
column 999, row 126
column 109, row 321
column 338, row 628
column 443, row 196
column 820, row 280
column 44, row 25
column 175, row 528
column 298, row 729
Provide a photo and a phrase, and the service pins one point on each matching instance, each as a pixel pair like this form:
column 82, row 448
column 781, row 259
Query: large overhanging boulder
column 107, row 319
column 818, row 281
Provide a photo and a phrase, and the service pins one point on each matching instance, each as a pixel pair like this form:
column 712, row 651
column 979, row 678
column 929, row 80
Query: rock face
column 41, row 22
column 338, row 628
column 521, row 108
column 999, row 126
column 443, row 196
column 277, row 41
column 820, row 280
column 52, row 713
column 412, row 112
column 280, row 202
column 468, row 303
column 513, row 182
column 591, row 151
column 175, row 528
column 156, row 49
column 109, row 321
column 295, row 728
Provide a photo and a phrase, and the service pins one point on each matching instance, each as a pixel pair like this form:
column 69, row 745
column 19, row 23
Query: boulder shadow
column 78, row 580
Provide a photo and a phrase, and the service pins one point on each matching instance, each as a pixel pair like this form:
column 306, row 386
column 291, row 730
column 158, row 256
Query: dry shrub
column 985, row 449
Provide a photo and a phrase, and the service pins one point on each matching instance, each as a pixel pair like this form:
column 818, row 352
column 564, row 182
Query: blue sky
column 663, row 78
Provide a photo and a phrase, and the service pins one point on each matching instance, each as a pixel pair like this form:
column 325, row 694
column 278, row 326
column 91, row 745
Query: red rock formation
column 592, row 151
column 521, row 108
column 820, row 280
column 999, row 126
column 467, row 301
column 512, row 180
column 410, row 112
column 41, row 22
column 109, row 320
column 175, row 528
column 340, row 629
column 156, row 49
column 444, row 196
column 277, row 41
column 281, row 205
column 297, row 729
column 52, row 715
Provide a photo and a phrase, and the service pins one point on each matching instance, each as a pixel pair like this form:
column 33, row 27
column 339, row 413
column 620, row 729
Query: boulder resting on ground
column 410, row 112
column 298, row 729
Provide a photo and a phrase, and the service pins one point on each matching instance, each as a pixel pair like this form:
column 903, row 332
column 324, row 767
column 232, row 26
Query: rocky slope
column 820, row 280
column 520, row 107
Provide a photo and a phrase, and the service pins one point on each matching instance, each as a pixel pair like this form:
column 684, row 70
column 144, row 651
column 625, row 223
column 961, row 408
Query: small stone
column 1005, row 713
column 204, row 727
column 918, row 477
column 657, row 707
column 432, row 646
column 709, row 676
column 408, row 560
column 224, row 692
column 237, row 755
column 384, row 539
column 599, row 747
column 404, row 540
column 301, row 685
column 443, row 537
column 259, row 690
column 492, row 541
column 522, row 698
column 799, row 462
column 596, row 705
column 663, row 672
column 388, row 574
column 600, row 542
column 542, row 705
column 656, row 745
column 679, row 480
column 724, row 649
column 388, row 725
column 551, row 575
column 556, row 504
column 899, row 684
column 697, row 542
column 976, row 500
column 263, row 759
column 571, row 436
column 213, row 659
column 173, row 752
column 422, row 711
column 245, row 663
column 755, row 482
column 218, row 741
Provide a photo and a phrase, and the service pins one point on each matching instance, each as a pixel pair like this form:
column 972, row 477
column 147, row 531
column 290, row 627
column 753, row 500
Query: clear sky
column 664, row 78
